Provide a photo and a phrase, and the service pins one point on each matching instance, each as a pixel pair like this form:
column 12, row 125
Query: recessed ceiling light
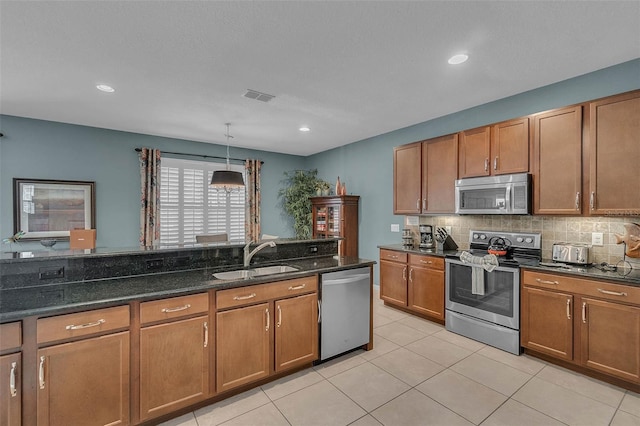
column 105, row 88
column 304, row 129
column 458, row 59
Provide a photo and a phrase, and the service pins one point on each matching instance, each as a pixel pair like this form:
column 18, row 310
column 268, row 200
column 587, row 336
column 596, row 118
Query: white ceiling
column 348, row 70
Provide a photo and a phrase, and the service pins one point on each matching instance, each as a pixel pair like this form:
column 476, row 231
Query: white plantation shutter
column 190, row 207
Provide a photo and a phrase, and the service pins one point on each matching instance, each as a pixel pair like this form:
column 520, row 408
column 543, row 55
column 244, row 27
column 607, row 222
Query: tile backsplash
column 553, row 229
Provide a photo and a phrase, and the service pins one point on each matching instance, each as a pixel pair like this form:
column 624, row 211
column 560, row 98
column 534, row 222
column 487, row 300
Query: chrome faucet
column 248, row 255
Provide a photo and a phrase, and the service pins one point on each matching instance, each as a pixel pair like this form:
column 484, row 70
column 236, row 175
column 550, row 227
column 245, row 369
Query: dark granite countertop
column 632, row 278
column 417, row 250
column 53, row 299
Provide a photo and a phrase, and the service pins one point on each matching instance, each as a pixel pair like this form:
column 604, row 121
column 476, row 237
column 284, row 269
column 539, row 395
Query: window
column 190, row 207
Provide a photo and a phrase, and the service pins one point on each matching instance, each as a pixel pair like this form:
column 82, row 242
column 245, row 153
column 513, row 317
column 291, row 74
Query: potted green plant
column 300, row 185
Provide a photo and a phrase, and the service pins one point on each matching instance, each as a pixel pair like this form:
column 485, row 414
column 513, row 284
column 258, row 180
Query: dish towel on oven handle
column 479, row 264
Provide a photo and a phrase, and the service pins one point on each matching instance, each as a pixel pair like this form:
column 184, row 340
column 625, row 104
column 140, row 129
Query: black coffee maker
column 426, row 237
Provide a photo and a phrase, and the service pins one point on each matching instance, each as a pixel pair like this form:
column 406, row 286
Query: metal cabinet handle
column 486, row 164
column 410, row 273
column 418, row 204
column 298, row 287
column 279, row 316
column 268, row 320
column 179, row 308
column 404, row 273
column 41, row 372
column 613, row 293
column 568, row 308
column 250, row 296
column 547, row 282
column 584, row 312
column 319, row 311
column 427, row 262
column 424, row 204
column 392, row 257
column 206, row 334
column 592, row 200
column 578, row 200
column 495, row 163
column 87, row 325
column 12, row 380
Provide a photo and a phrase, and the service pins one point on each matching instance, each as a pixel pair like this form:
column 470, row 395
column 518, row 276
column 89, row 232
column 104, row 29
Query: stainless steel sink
column 250, row 273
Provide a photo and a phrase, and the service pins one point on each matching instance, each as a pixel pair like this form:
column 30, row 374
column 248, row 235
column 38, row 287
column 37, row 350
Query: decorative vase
column 338, row 186
column 318, row 192
column 343, row 189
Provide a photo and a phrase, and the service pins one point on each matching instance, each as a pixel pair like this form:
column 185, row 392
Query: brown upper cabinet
column 557, row 161
column 614, row 155
column 424, row 176
column 499, row 149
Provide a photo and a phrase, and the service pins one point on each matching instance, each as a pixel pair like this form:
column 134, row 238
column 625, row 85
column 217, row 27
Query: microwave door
column 482, row 199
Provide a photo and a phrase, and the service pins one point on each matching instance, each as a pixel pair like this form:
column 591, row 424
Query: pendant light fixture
column 227, row 180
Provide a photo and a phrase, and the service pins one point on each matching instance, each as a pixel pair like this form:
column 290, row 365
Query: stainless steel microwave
column 504, row 194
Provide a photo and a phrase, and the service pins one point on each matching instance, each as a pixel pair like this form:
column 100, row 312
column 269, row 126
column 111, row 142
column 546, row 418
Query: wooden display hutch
column 335, row 217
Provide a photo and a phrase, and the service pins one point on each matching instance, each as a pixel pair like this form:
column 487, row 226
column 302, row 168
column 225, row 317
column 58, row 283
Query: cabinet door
column 614, row 129
column 174, row 366
column 426, row 291
column 546, row 324
column 439, row 174
column 10, row 390
column 296, row 331
column 510, row 147
column 474, row 153
column 242, row 345
column 407, row 179
column 393, row 282
column 85, row 382
column 557, row 162
column 610, row 338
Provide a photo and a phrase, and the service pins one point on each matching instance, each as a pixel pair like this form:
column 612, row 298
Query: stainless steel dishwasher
column 344, row 311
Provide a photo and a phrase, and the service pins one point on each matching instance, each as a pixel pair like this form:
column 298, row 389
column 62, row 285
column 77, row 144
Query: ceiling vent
column 258, row 96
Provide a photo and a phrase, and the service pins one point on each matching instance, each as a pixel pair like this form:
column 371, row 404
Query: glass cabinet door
column 327, row 221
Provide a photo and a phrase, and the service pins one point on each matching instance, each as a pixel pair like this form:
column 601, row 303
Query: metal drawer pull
column 251, row 296
column 495, row 163
column 179, row 308
column 568, row 308
column 298, row 287
column 427, row 262
column 578, row 200
column 584, row 312
column 486, row 164
column 613, row 293
column 41, row 373
column 87, row 325
column 279, row 316
column 268, row 320
column 12, row 380
column 547, row 282
column 206, row 334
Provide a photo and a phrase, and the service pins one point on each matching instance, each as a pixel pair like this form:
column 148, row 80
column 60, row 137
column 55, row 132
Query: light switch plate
column 395, row 227
column 597, row 239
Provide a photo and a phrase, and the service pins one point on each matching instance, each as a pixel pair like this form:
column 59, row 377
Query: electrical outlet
column 313, row 249
column 49, row 273
column 395, row 227
column 448, row 229
column 597, row 239
column 155, row 263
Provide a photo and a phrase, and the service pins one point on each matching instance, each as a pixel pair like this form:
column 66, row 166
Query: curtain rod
column 200, row 155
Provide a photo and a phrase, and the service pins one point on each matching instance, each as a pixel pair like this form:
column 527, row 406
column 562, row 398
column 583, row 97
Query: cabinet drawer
column 82, row 324
column 175, row 307
column 600, row 289
column 10, row 336
column 394, row 256
column 262, row 292
column 427, row 261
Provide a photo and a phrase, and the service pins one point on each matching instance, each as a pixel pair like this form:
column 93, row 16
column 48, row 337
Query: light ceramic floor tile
column 367, row 420
column 625, row 419
column 187, row 420
column 380, row 320
column 492, row 374
column 319, row 404
column 592, row 388
column 381, row 346
column 514, row 413
column 267, row 415
column 437, row 350
column 399, row 334
column 523, row 362
column 292, row 383
column 369, row 386
column 562, row 404
column 425, row 326
column 631, row 403
column 413, row 408
column 408, row 366
column 232, row 407
column 459, row 340
column 394, row 314
column 340, row 364
column 467, row 398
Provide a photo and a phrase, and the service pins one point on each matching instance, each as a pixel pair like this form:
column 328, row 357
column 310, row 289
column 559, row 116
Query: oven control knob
column 483, row 237
column 528, row 240
column 519, row 239
column 475, row 236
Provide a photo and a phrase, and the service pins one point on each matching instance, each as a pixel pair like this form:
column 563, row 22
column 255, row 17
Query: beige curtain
column 149, row 197
column 252, row 216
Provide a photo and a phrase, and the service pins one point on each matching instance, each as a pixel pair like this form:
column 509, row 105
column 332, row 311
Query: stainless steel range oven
column 489, row 313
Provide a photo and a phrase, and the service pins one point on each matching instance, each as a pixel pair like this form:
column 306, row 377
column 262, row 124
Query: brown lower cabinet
column 10, row 390
column 593, row 324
